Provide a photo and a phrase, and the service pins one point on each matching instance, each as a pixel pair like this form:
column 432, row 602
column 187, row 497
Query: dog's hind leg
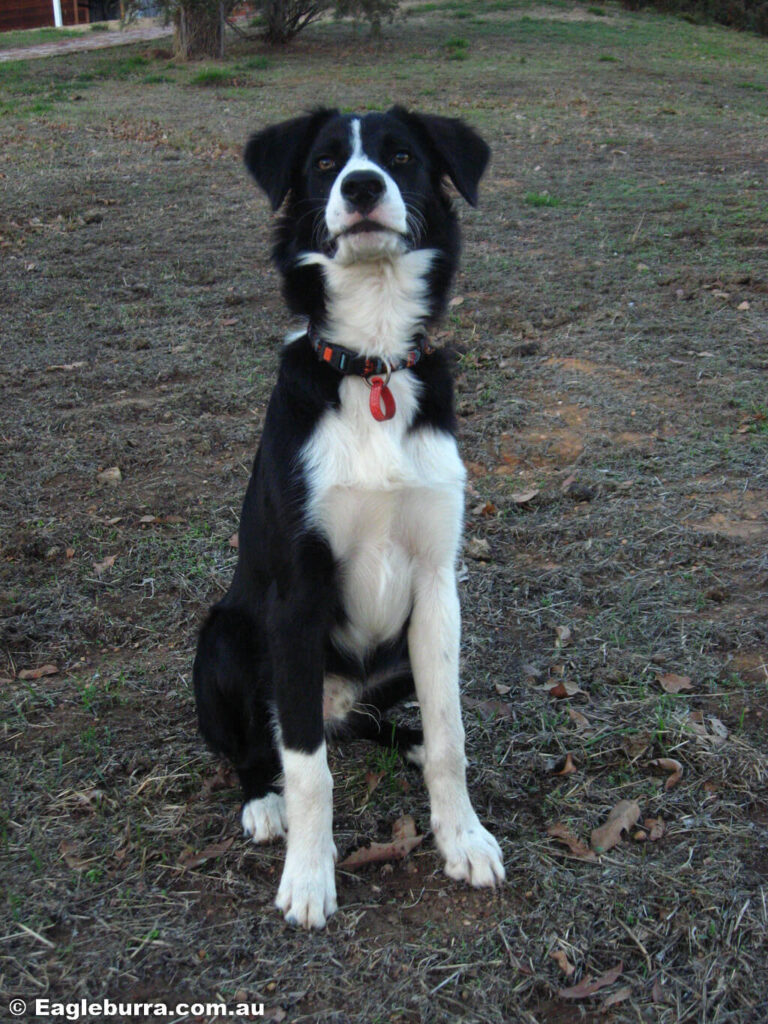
column 365, row 720
column 234, row 716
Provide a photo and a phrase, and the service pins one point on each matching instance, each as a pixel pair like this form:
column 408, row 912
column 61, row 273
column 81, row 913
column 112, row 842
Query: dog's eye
column 325, row 163
column 402, row 156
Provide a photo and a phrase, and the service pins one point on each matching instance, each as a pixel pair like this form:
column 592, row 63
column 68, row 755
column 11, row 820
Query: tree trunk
column 199, row 30
column 275, row 17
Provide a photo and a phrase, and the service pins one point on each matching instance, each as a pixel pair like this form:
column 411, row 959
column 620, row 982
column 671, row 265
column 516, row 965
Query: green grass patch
column 209, row 77
column 16, row 40
column 541, row 199
column 458, row 49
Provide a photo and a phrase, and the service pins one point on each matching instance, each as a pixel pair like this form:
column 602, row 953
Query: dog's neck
column 376, row 307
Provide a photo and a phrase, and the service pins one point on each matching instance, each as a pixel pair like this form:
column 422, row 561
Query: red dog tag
column 382, row 401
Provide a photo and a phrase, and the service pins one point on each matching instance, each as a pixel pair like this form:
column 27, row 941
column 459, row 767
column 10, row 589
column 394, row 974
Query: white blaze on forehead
column 356, row 141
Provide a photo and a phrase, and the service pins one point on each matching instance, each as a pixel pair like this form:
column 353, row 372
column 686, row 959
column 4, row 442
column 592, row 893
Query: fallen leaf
column 619, row 996
column 718, row 728
column 234, row 541
column 457, row 300
column 656, row 828
column 578, row 849
column 404, row 828
column 523, row 497
column 696, row 722
column 563, row 635
column 191, row 859
column 719, row 731
column 562, row 962
column 277, row 1013
column 478, row 549
column 502, row 690
column 658, row 994
column 38, row 673
column 568, row 768
column 378, row 852
column 112, row 476
column 223, row 779
column 636, row 744
column 669, row 764
column 489, row 707
column 672, row 683
column 148, row 519
column 70, row 851
column 743, row 306
column 70, row 552
column 580, row 721
column 100, row 567
column 561, row 688
column 620, row 819
column 372, row 780
column 589, row 985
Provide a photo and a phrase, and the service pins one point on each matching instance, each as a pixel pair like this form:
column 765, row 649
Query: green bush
column 750, row 15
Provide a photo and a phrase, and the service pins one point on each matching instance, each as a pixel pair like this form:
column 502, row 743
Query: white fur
column 307, row 892
column 386, row 500
column 471, row 853
column 264, row 820
column 376, row 306
column 390, row 212
column 415, row 755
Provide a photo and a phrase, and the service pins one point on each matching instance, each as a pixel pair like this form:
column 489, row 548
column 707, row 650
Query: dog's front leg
column 471, row 853
column 307, row 891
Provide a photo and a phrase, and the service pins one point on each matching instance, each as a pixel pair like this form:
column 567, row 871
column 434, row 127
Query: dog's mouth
column 364, row 226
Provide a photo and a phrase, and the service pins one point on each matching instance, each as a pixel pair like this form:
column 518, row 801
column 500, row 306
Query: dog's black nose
column 362, row 190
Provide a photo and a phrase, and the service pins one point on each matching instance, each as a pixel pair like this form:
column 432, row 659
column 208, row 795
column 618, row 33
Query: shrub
column 751, row 15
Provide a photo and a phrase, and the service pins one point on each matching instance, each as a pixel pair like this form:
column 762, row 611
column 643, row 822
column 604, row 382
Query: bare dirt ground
column 611, row 333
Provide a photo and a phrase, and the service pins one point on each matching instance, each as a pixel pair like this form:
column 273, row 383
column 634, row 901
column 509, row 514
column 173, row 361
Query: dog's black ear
column 273, row 156
column 461, row 154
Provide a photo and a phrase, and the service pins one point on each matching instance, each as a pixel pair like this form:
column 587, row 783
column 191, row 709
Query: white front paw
column 471, row 852
column 264, row 819
column 307, row 893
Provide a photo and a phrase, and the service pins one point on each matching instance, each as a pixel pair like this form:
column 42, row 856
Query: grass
column 213, row 77
column 607, row 360
column 15, row 40
column 541, row 199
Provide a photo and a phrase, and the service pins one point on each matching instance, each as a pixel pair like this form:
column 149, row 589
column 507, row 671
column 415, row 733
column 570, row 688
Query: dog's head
column 365, row 187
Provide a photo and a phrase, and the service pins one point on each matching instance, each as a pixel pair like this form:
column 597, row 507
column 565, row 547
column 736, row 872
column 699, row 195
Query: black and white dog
column 345, row 595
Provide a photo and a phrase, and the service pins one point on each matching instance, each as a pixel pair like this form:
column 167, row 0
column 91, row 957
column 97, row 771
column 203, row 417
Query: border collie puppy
column 344, row 596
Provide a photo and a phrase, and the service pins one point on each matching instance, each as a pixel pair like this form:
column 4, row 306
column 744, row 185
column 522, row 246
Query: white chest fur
column 388, row 500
